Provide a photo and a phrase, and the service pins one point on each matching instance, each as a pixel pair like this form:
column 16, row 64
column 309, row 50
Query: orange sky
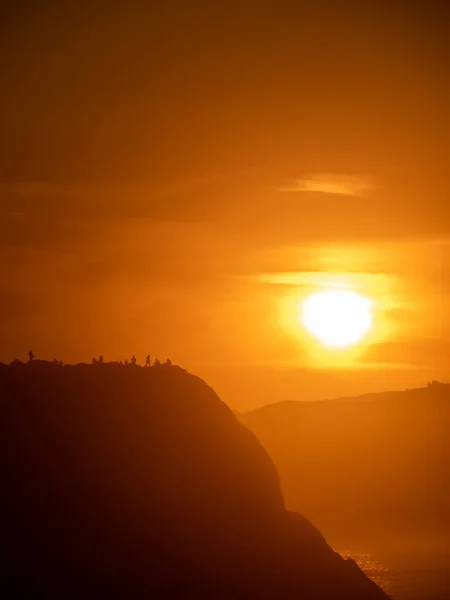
column 174, row 181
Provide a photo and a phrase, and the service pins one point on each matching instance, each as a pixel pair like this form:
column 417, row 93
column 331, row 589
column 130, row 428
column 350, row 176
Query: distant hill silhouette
column 122, row 482
column 381, row 458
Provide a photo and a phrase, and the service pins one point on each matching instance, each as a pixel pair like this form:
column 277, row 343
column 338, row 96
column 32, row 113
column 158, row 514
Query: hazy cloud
column 417, row 353
column 329, row 183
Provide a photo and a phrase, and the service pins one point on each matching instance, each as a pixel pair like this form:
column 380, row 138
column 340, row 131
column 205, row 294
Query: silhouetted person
column 133, row 359
column 168, row 363
column 30, row 355
column 126, row 362
column 94, row 361
column 157, row 362
column 100, row 359
column 147, row 360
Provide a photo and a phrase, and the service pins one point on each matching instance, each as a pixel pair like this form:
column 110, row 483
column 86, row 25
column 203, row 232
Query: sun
column 337, row 318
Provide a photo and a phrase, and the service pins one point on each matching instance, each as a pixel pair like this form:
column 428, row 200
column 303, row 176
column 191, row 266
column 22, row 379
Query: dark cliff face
column 125, row 481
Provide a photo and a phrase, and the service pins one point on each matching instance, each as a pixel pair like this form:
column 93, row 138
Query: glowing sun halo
column 337, row 317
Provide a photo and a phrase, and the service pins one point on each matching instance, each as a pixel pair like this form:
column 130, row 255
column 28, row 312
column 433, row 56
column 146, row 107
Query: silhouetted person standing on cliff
column 30, row 355
column 147, row 360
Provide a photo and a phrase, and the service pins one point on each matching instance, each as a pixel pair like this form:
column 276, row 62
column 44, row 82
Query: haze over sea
column 407, row 575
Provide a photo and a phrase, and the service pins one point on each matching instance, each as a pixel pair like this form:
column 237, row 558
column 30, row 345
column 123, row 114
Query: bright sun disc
column 337, row 317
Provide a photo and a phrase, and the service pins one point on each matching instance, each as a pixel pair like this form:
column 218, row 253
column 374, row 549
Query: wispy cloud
column 411, row 353
column 330, row 183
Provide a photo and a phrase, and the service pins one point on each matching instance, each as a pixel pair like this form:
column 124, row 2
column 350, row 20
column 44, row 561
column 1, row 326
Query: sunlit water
column 407, row 577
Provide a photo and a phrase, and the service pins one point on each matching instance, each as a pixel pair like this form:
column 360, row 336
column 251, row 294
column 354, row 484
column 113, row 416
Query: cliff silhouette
column 382, row 458
column 126, row 482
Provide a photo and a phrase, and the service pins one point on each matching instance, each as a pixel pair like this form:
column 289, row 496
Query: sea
column 406, row 576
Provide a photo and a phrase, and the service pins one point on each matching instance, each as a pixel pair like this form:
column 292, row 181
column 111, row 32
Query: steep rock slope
column 123, row 482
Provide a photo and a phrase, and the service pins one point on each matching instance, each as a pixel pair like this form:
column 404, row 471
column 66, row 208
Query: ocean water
column 406, row 576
